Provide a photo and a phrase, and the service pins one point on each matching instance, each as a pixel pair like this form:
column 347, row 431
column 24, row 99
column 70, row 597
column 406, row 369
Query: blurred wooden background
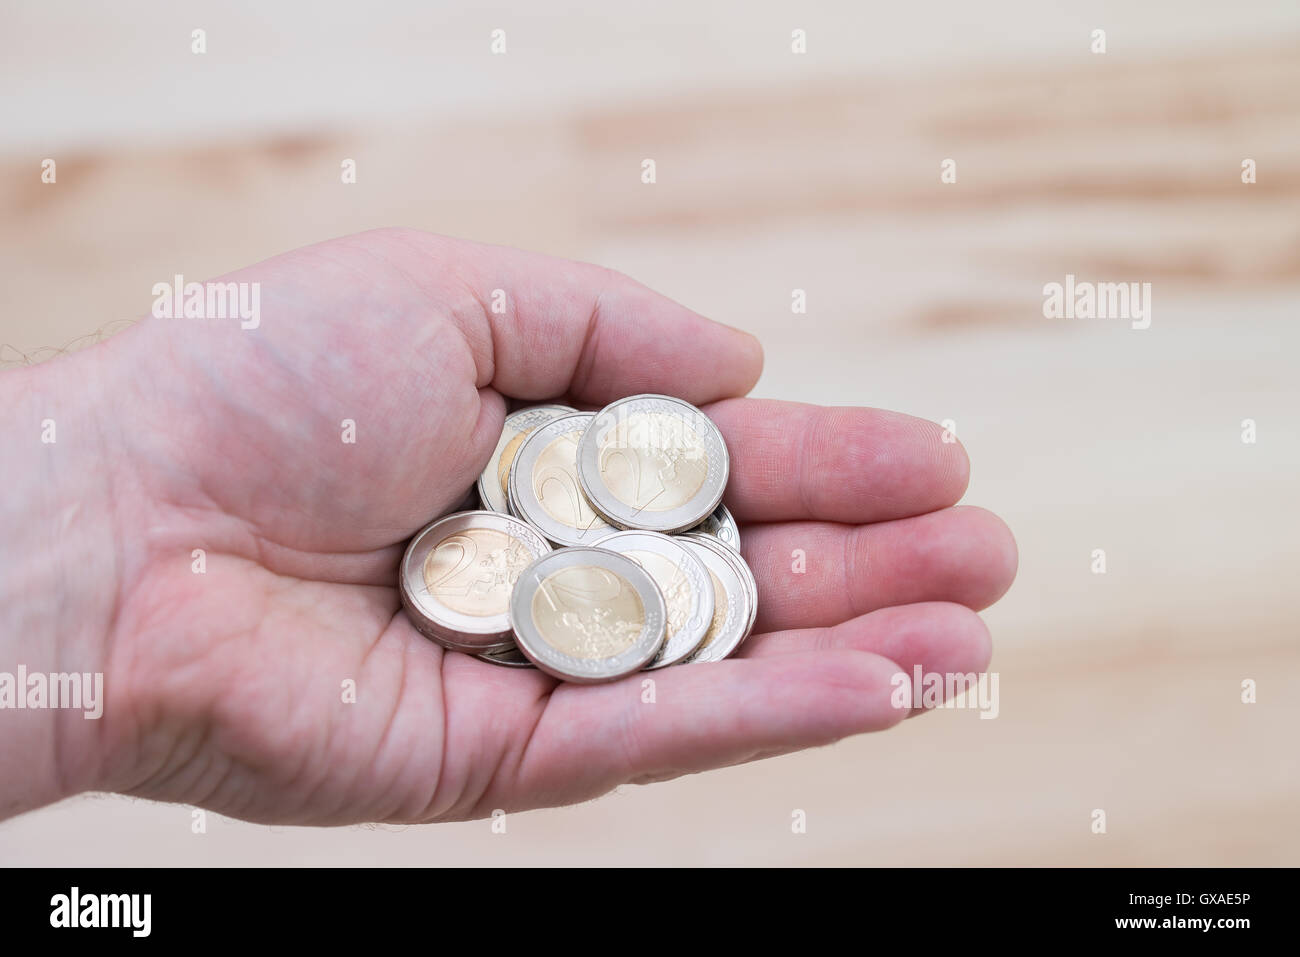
column 1118, row 691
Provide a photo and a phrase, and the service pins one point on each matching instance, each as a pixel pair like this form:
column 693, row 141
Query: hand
column 224, row 689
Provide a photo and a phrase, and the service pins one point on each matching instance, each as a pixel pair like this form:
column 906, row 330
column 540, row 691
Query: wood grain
column 1118, row 691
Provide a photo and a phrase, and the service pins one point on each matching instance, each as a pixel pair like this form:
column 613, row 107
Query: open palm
column 226, row 688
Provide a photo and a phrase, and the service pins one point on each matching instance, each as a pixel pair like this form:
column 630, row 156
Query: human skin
column 224, row 689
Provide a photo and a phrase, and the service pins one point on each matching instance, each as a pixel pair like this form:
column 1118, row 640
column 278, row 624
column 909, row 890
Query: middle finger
column 814, row 574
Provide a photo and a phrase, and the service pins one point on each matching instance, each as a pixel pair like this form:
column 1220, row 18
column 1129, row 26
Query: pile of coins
column 601, row 547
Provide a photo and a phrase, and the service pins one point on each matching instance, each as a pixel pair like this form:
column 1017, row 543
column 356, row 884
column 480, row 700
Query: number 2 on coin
column 581, row 594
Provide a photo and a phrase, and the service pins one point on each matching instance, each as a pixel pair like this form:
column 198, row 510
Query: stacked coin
column 458, row 574
column 647, row 572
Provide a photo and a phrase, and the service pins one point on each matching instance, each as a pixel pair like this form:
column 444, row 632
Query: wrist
column 59, row 578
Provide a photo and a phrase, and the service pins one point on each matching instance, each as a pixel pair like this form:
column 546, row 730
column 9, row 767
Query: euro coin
column 543, row 483
column 684, row 582
column 722, row 527
column 654, row 463
column 457, row 576
column 735, row 597
column 588, row 615
column 518, row 424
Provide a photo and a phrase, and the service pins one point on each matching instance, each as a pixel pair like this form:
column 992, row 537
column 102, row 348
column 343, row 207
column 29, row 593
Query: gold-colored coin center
column 588, row 612
column 555, row 485
column 474, row 570
column 653, row 461
column 719, row 613
column 672, row 582
column 508, row 453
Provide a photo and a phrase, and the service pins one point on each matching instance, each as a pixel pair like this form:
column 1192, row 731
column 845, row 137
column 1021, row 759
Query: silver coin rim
column 566, row 667
column 678, row 519
column 675, row 647
column 722, row 517
column 496, row 659
column 740, row 604
column 485, row 480
column 450, row 643
column 453, row 629
column 742, row 568
column 526, row 506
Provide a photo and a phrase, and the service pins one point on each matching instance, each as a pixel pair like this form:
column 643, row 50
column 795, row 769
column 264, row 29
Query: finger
column 817, row 574
column 542, row 327
column 703, row 716
column 934, row 638
column 795, row 461
column 939, row 637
